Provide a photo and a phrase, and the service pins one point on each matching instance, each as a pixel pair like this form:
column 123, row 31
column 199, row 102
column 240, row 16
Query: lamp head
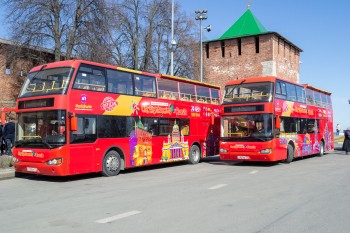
column 208, row 28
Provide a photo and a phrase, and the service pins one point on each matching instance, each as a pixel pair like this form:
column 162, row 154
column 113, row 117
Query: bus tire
column 195, row 154
column 321, row 153
column 290, row 154
column 111, row 163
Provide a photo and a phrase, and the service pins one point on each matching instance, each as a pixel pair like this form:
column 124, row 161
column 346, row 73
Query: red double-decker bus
column 270, row 119
column 79, row 117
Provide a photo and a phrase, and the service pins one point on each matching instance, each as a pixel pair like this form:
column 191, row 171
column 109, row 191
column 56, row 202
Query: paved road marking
column 117, row 217
column 253, row 172
column 217, row 186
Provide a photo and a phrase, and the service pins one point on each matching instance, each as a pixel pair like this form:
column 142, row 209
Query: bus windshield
column 47, row 82
column 248, row 92
column 247, row 128
column 42, row 129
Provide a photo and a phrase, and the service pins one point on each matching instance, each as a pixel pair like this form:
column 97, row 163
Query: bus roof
column 258, row 79
column 166, row 76
column 78, row 62
column 316, row 89
column 273, row 79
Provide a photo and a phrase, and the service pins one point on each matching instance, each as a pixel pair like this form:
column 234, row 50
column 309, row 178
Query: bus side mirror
column 277, row 122
column 277, row 126
column 74, row 123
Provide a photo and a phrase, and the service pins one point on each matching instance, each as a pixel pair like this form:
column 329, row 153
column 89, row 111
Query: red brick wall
column 6, row 93
column 269, row 61
column 10, row 84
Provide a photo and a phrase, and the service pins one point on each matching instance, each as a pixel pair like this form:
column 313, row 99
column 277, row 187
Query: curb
column 6, row 173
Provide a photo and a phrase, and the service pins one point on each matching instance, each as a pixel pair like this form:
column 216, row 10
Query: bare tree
column 131, row 33
column 53, row 24
column 141, row 36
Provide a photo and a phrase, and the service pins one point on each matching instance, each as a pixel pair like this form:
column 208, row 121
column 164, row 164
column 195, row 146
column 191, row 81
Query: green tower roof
column 246, row 25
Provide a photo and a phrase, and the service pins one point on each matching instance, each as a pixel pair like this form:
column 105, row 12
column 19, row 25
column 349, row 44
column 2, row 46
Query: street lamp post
column 173, row 42
column 202, row 15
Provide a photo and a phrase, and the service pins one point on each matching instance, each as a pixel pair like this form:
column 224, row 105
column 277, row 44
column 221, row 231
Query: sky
column 320, row 28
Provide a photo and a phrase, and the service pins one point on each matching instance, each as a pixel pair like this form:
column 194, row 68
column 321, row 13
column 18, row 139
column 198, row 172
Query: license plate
column 32, row 169
column 242, row 157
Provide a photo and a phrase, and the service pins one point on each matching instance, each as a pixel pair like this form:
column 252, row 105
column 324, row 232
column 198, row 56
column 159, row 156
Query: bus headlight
column 266, row 151
column 56, row 161
column 222, row 150
column 15, row 160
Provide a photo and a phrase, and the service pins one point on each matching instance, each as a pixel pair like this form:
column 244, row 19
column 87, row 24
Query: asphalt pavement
column 7, row 173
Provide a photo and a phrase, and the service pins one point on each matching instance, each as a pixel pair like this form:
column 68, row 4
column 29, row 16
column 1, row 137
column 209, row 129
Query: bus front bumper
column 40, row 169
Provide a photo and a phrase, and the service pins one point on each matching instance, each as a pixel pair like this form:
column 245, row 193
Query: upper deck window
column 168, row 89
column 310, row 99
column 187, row 92
column 291, row 92
column 248, row 92
column 119, row 82
column 203, row 94
column 145, row 86
column 215, row 97
column 47, row 82
column 281, row 91
column 90, row 78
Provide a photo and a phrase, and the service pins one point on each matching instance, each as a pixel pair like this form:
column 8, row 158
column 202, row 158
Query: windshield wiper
column 24, row 143
column 234, row 87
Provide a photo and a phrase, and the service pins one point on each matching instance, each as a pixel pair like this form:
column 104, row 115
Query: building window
column 257, row 46
column 239, row 42
column 207, row 49
column 223, row 48
column 8, row 71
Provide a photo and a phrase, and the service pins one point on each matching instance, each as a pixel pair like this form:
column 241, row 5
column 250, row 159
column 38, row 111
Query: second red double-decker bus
column 79, row 117
column 271, row 119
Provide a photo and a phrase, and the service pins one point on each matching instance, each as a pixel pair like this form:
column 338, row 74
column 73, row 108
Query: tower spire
column 249, row 4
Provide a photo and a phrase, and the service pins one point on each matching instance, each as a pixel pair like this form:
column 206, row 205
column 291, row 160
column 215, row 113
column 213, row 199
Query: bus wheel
column 290, row 154
column 111, row 164
column 321, row 153
column 195, row 155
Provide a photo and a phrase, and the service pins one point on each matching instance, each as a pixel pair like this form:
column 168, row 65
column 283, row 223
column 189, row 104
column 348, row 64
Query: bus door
column 82, row 145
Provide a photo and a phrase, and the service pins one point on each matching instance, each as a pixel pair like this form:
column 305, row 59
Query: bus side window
column 86, row 130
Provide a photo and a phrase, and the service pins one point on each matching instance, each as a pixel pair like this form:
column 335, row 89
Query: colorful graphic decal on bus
column 295, row 109
column 30, row 153
column 162, row 108
column 285, row 138
column 83, row 106
column 195, row 111
column 108, row 104
column 306, row 145
column 175, row 148
column 140, row 146
column 122, row 106
column 310, row 143
column 287, row 108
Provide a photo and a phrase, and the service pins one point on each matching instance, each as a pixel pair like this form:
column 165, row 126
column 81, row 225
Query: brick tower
column 247, row 49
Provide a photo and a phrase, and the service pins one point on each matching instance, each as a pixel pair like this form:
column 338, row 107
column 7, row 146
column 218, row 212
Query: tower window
column 257, row 46
column 239, row 42
column 207, row 49
column 223, row 48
